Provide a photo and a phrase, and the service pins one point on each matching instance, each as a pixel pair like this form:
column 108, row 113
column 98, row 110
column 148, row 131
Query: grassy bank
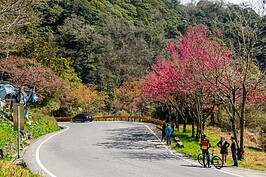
column 8, row 139
column 7, row 169
column 36, row 128
column 8, row 142
column 42, row 126
column 254, row 159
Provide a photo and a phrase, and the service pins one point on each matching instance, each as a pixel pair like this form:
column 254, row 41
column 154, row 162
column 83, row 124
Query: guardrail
column 118, row 118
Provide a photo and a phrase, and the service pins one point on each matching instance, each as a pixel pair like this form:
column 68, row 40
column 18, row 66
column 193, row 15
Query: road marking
column 172, row 153
column 38, row 152
column 168, row 149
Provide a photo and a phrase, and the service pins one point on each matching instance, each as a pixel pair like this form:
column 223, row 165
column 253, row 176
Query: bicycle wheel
column 217, row 162
column 200, row 159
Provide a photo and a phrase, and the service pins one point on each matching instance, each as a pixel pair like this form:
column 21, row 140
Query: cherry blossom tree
column 182, row 81
column 239, row 84
column 202, row 73
column 23, row 72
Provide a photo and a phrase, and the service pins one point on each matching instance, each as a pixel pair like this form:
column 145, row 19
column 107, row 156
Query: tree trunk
column 234, row 128
column 177, row 122
column 193, row 129
column 212, row 119
column 185, row 124
column 197, row 133
column 233, row 118
column 242, row 121
column 170, row 114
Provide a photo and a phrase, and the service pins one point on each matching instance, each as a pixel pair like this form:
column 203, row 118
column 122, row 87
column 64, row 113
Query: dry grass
column 254, row 158
column 8, row 169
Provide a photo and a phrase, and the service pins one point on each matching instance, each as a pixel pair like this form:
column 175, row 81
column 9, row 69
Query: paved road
column 112, row 149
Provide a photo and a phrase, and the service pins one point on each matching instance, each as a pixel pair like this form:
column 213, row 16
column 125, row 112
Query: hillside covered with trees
column 123, row 57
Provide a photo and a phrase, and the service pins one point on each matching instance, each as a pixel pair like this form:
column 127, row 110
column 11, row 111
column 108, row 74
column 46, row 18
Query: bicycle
column 214, row 160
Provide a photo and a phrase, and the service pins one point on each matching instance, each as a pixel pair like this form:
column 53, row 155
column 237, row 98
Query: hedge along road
column 109, row 149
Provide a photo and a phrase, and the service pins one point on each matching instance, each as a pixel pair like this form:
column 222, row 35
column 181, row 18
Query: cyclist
column 205, row 145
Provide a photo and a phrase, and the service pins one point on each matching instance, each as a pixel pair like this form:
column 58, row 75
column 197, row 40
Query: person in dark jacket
column 163, row 132
column 168, row 133
column 224, row 151
column 234, row 150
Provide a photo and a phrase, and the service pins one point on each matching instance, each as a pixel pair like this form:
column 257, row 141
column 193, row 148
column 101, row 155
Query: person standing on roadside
column 234, row 151
column 163, row 132
column 205, row 145
column 224, row 151
column 168, row 133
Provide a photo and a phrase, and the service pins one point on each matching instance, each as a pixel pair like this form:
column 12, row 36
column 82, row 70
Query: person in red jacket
column 205, row 145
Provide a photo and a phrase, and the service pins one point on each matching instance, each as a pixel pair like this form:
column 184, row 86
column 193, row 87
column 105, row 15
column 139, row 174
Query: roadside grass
column 7, row 169
column 8, row 142
column 254, row 157
column 42, row 126
column 8, row 139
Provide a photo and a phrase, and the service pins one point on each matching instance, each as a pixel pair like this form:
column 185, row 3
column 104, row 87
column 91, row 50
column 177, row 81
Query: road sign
column 18, row 116
column 18, row 119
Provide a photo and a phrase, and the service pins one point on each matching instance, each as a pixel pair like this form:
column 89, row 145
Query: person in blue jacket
column 168, row 133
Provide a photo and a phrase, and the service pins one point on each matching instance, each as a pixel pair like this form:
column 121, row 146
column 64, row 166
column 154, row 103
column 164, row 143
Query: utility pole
column 18, row 131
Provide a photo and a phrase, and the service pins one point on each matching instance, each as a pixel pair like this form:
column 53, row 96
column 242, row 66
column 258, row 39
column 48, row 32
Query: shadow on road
column 141, row 143
column 191, row 165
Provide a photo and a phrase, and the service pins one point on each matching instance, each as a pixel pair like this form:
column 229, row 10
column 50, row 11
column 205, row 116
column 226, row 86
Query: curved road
column 110, row 149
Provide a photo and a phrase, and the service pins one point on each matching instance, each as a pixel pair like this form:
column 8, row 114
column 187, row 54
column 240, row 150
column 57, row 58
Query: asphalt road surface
column 112, row 149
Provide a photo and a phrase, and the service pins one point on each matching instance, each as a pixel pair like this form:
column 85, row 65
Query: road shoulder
column 237, row 171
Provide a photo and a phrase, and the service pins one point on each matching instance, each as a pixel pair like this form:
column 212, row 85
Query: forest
column 200, row 63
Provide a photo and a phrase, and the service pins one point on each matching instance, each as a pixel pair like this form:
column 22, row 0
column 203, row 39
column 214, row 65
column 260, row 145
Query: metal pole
column 18, row 131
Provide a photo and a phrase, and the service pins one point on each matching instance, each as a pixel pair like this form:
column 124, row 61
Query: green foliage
column 41, row 126
column 10, row 20
column 45, row 51
column 191, row 145
column 230, row 21
column 94, row 42
column 8, row 138
column 105, row 41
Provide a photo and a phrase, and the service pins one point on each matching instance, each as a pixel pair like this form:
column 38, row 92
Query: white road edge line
column 172, row 153
column 38, row 151
column 168, row 149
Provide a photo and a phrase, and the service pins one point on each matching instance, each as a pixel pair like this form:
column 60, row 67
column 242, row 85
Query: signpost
column 18, row 119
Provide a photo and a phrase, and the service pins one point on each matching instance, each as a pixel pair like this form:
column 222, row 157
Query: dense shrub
column 42, row 126
column 8, row 138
